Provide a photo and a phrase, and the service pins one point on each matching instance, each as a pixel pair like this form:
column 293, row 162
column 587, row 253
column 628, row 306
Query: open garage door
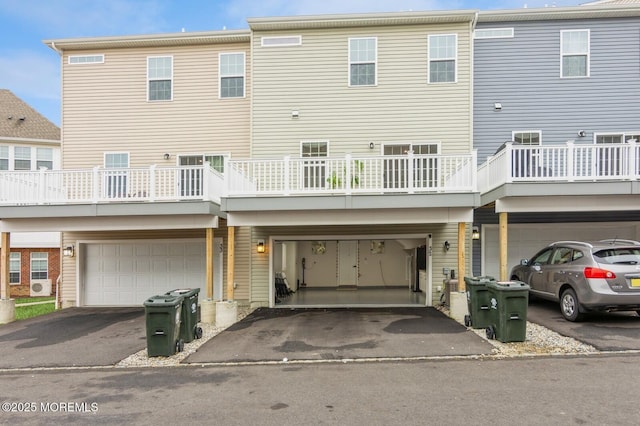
column 127, row 273
column 525, row 240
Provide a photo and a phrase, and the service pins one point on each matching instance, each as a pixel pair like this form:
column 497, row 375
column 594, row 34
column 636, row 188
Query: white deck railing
column 352, row 175
column 100, row 185
column 564, row 163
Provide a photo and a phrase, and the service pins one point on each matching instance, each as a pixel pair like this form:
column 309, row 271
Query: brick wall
column 22, row 289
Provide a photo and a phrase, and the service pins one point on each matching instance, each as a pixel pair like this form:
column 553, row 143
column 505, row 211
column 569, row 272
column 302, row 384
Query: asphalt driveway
column 617, row 331
column 321, row 334
column 73, row 337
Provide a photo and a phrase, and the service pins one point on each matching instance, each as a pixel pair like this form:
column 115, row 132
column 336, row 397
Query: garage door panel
column 126, row 274
column 525, row 240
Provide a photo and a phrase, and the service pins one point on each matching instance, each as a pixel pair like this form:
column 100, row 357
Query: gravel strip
column 141, row 359
column 539, row 340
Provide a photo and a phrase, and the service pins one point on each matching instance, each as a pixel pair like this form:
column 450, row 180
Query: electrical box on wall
column 445, row 272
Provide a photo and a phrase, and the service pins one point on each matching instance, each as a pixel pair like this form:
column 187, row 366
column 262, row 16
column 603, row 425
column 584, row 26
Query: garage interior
column 350, row 272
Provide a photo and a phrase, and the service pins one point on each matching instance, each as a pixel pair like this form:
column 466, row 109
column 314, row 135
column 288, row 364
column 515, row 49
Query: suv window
column 542, row 257
column 626, row 256
column 561, row 255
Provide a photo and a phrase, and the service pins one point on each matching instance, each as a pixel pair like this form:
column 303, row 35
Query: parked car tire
column 570, row 306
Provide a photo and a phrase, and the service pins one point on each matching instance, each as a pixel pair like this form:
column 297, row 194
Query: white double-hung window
column 443, row 53
column 160, row 78
column 363, row 53
column 232, row 75
column 574, row 50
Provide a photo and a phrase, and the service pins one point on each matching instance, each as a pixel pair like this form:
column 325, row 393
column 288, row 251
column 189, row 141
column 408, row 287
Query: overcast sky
column 32, row 71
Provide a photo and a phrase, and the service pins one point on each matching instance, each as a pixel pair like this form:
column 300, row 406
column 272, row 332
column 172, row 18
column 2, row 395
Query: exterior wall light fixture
column 475, row 233
column 261, row 246
column 69, row 251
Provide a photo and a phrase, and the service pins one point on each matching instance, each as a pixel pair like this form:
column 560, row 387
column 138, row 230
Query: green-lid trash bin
column 508, row 307
column 479, row 315
column 162, row 318
column 189, row 329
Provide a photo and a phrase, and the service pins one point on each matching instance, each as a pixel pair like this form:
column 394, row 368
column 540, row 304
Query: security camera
column 582, row 133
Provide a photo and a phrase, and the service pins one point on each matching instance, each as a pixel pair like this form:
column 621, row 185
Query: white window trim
column 588, row 53
column 455, row 59
column 170, row 78
column 622, row 134
column 481, row 37
column 281, row 41
column 244, row 75
column 19, row 268
column 314, row 141
column 539, row 132
column 438, row 145
column 31, row 270
column 100, row 61
column 375, row 62
column 104, row 157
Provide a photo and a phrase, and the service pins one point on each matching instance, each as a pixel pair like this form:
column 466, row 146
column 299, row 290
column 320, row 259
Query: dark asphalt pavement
column 321, row 334
column 587, row 390
column 73, row 337
column 616, row 331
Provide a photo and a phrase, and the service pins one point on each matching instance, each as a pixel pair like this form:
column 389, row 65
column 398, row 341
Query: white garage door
column 525, row 240
column 126, row 274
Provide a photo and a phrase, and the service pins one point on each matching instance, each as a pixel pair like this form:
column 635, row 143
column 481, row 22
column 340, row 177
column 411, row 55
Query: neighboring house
column 28, row 142
column 562, row 84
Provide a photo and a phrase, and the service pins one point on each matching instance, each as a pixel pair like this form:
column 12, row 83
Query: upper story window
column 527, row 137
column 443, row 52
column 617, row 137
column 44, row 158
column 363, row 55
column 232, row 75
column 574, row 52
column 39, row 266
column 116, row 182
column 216, row 161
column 4, row 157
column 86, row 59
column 14, row 268
column 22, row 158
column 160, row 76
column 484, row 33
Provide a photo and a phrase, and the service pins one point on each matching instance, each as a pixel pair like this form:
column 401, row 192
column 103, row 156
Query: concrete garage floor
column 339, row 333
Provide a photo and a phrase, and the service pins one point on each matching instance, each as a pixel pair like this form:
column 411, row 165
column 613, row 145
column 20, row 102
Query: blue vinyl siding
column 523, row 74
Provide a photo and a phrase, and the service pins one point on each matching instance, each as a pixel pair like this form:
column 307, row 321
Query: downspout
column 472, row 76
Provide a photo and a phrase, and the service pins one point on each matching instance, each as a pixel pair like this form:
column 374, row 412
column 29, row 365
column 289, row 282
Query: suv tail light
column 598, row 273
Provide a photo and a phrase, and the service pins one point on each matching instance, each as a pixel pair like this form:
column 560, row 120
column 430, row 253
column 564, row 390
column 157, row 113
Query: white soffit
column 115, row 223
column 567, row 203
column 350, row 217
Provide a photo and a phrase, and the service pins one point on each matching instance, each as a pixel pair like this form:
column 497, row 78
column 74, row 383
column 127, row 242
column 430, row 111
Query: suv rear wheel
column 569, row 305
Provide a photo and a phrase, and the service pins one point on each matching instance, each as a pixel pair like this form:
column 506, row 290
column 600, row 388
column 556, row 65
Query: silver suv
column 585, row 276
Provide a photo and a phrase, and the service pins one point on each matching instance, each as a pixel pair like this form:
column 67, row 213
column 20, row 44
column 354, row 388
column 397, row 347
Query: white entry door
column 348, row 263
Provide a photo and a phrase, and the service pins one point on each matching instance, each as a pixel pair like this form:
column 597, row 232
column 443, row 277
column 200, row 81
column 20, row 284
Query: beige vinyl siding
column 314, row 79
column 261, row 281
column 105, row 107
column 68, row 277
